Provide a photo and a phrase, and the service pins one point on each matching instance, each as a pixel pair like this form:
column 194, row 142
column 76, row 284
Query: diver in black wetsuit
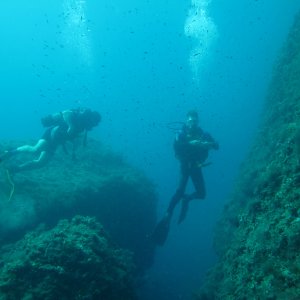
column 62, row 127
column 191, row 146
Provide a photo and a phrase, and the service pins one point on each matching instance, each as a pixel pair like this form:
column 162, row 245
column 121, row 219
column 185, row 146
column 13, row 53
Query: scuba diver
column 191, row 146
column 62, row 127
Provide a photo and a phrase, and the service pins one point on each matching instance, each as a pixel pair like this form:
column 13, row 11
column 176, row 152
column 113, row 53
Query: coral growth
column 74, row 260
column 98, row 183
column 258, row 237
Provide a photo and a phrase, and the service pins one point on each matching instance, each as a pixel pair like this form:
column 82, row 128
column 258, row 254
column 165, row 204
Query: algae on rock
column 258, row 236
column 74, row 260
column 99, row 184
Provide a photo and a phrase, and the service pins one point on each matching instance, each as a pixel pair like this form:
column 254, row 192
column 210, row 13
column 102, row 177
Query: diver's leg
column 36, row 163
column 161, row 230
column 39, row 146
column 198, row 181
column 184, row 176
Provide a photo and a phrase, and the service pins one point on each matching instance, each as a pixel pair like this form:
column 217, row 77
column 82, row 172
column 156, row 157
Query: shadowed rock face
column 74, row 260
column 99, row 184
column 258, row 237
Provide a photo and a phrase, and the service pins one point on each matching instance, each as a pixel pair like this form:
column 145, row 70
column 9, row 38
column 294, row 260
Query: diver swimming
column 191, row 146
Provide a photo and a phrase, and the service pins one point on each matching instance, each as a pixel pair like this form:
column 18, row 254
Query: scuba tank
column 52, row 120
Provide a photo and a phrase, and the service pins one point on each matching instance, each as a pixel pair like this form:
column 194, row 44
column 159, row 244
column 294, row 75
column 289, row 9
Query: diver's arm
column 210, row 145
column 211, row 142
column 204, row 144
column 68, row 116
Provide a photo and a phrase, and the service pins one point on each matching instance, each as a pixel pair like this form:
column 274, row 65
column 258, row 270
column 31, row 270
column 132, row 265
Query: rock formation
column 258, row 237
column 74, row 260
column 99, row 183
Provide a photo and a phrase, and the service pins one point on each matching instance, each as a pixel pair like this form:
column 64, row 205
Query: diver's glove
column 204, row 144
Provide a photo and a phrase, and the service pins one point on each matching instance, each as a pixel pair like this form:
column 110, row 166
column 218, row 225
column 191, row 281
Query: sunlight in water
column 203, row 30
column 76, row 32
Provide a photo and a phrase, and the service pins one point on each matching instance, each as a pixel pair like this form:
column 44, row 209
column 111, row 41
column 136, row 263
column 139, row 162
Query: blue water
column 143, row 64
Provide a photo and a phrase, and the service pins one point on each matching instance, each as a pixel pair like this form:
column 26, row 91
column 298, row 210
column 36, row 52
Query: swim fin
column 6, row 154
column 161, row 231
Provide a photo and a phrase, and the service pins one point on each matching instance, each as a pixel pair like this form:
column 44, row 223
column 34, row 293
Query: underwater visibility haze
column 142, row 65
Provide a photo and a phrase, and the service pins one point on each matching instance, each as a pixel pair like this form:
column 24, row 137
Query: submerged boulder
column 74, row 260
column 258, row 237
column 98, row 183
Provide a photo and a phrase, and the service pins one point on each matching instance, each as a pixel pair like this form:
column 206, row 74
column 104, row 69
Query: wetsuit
column 191, row 158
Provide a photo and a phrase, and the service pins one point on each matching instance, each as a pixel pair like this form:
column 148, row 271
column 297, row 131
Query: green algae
column 258, row 236
column 100, row 183
column 74, row 260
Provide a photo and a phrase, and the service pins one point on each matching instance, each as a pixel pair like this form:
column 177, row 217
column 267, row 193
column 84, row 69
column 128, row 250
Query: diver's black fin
column 160, row 234
column 6, row 154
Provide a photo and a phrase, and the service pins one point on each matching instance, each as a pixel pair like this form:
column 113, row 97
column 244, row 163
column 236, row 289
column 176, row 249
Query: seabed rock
column 74, row 260
column 99, row 183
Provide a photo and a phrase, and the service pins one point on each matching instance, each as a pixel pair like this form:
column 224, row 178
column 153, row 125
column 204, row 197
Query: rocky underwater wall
column 99, row 184
column 258, row 236
column 74, row 260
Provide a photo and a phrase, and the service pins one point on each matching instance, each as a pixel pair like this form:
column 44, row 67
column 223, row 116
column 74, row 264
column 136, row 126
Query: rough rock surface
column 99, row 184
column 258, row 237
column 74, row 260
